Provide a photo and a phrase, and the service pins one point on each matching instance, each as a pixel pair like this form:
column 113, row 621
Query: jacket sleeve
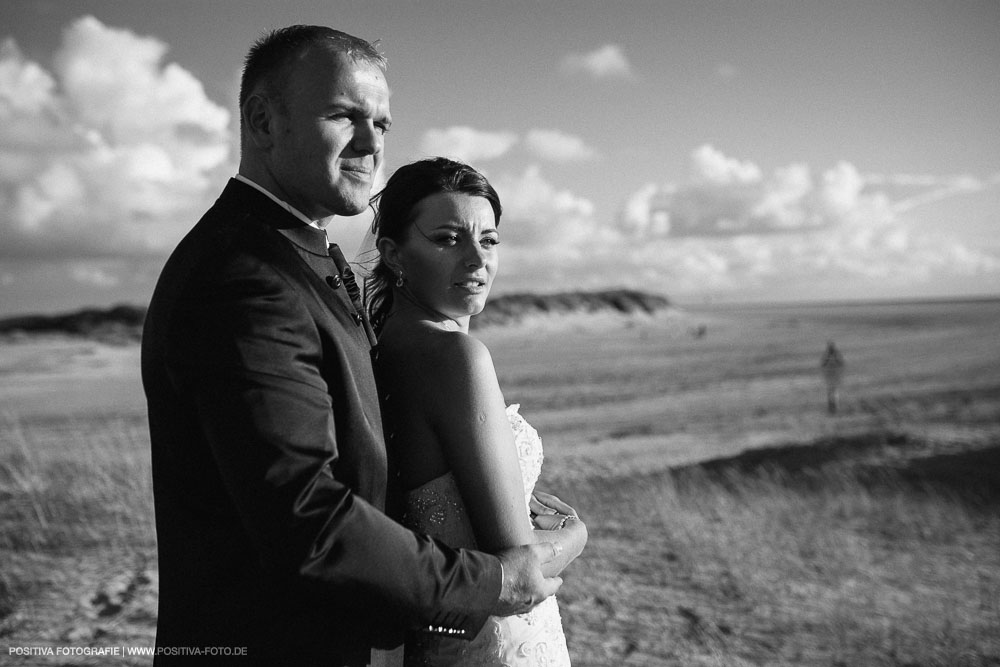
column 247, row 351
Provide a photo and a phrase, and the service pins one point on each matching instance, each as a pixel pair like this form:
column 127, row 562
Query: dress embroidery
column 534, row 639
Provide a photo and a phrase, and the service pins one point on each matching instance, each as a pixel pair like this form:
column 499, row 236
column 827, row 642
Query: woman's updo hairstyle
column 395, row 211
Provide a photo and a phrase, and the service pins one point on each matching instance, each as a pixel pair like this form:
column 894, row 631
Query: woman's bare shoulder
column 458, row 361
column 450, row 368
column 434, row 350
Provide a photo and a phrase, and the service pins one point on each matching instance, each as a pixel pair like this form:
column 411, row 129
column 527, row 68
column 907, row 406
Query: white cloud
column 471, row 145
column 712, row 166
column 606, row 62
column 25, row 88
column 731, row 227
column 841, row 191
column 780, row 197
column 939, row 189
column 726, row 196
column 111, row 153
column 540, row 216
column 557, row 146
column 466, row 144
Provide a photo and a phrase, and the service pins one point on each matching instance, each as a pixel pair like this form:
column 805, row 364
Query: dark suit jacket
column 269, row 468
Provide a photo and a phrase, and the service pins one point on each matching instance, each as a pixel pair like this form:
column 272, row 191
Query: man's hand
column 524, row 585
column 556, row 521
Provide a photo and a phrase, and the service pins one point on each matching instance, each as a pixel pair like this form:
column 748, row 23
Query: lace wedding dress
column 534, row 639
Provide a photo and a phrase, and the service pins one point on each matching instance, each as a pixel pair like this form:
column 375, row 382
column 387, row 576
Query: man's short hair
column 271, row 54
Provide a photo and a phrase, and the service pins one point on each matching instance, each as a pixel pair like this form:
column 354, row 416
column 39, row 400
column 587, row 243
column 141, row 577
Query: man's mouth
column 361, row 171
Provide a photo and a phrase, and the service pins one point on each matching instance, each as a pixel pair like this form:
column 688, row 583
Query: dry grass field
column 732, row 520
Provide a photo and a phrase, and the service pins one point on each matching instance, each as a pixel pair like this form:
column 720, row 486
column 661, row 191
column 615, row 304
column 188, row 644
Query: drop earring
column 399, row 280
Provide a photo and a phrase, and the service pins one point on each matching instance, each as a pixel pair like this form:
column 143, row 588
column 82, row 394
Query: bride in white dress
column 466, row 462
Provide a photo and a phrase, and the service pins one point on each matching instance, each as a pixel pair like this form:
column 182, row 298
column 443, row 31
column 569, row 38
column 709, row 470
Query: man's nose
column 367, row 138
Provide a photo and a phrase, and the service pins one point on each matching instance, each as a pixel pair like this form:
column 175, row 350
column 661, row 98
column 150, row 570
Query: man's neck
column 320, row 223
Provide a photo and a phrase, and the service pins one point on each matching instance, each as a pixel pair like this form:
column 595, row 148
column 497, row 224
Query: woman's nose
column 475, row 256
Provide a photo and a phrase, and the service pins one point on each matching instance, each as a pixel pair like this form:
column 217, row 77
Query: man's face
column 328, row 132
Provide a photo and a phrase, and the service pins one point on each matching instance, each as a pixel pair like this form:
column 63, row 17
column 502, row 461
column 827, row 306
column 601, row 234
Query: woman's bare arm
column 469, row 416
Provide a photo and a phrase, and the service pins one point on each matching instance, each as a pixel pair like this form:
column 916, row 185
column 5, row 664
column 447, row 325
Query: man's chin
column 352, row 206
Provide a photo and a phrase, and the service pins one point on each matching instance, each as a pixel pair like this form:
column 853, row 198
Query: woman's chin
column 469, row 307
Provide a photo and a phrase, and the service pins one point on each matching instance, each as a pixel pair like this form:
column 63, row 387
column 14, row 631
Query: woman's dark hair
column 395, row 211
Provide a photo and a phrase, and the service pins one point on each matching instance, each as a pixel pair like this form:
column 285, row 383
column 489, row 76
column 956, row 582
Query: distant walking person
column 832, row 366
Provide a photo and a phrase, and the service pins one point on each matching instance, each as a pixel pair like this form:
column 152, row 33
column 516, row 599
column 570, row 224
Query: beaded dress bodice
column 534, row 639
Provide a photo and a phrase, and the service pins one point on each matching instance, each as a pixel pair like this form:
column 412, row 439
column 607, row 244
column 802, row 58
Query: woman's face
column 449, row 257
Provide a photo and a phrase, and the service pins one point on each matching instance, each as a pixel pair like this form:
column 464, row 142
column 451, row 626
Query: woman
column 467, row 463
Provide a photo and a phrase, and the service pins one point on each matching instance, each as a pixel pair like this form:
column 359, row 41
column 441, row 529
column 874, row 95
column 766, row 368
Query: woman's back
column 404, row 370
column 434, row 504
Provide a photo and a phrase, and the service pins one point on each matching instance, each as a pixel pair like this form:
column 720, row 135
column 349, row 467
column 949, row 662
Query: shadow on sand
column 876, row 460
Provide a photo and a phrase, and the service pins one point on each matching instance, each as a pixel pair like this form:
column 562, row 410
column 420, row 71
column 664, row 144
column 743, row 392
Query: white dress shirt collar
column 283, row 204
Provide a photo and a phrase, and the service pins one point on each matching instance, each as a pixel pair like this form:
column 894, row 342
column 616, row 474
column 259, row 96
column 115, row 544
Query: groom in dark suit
column 269, row 468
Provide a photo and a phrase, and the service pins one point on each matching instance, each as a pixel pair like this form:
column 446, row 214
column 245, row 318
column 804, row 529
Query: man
column 269, row 468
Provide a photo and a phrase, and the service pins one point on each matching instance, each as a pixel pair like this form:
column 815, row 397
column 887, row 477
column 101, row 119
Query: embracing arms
column 555, row 520
column 268, row 433
column 469, row 417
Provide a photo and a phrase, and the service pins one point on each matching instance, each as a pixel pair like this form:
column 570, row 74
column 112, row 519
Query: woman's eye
column 451, row 239
column 490, row 241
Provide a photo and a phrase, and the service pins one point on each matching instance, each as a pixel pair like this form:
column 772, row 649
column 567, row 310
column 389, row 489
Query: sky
column 712, row 152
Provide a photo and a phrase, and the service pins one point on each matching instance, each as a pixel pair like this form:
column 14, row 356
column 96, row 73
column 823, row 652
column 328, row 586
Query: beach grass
column 76, row 533
column 732, row 562
column 732, row 520
column 848, row 565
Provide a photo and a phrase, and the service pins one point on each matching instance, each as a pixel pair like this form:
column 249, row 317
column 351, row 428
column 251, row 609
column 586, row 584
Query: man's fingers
column 547, row 551
column 525, row 582
column 552, row 585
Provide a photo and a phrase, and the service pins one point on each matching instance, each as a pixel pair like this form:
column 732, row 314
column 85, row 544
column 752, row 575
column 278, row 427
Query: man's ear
column 258, row 115
column 389, row 251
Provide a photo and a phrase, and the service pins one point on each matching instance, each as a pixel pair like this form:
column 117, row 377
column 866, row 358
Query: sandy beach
column 869, row 536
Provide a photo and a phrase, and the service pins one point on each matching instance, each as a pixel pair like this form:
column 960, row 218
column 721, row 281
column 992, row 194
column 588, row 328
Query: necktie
column 353, row 291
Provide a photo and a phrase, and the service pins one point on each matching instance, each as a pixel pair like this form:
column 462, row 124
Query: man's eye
column 490, row 241
column 382, row 127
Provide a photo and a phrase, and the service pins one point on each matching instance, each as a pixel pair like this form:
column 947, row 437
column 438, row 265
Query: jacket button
column 333, row 281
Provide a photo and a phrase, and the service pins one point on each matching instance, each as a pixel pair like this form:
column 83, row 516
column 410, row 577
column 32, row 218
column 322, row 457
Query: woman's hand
column 542, row 504
column 549, row 512
column 553, row 521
